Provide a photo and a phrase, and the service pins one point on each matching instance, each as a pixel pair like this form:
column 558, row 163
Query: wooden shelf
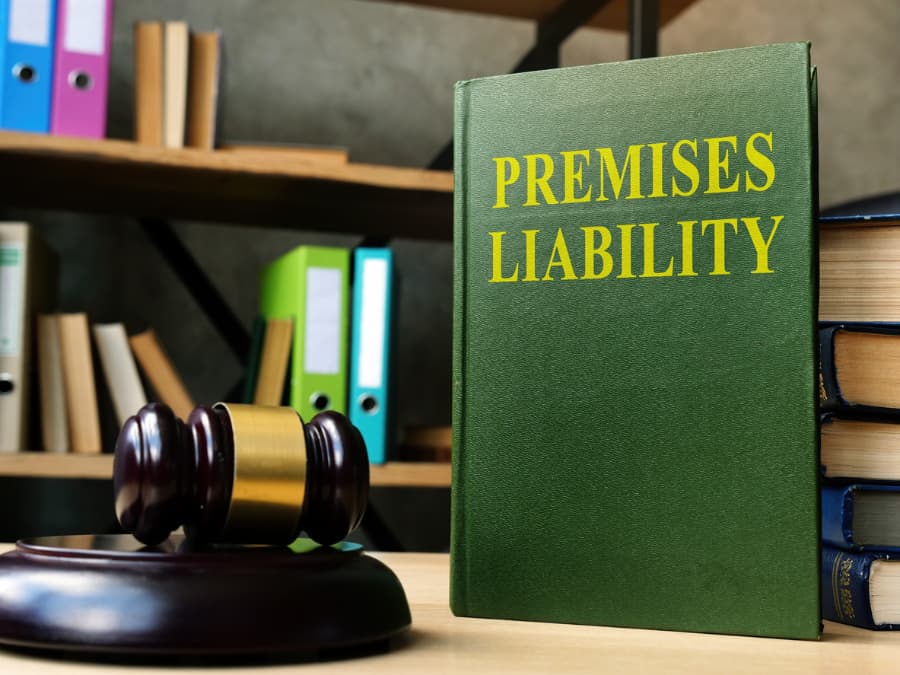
column 284, row 189
column 411, row 474
column 47, row 465
column 613, row 16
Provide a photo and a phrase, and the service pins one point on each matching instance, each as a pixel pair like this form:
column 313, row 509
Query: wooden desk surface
column 442, row 643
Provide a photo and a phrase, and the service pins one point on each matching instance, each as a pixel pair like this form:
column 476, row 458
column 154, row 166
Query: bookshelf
column 314, row 190
column 240, row 186
column 99, row 467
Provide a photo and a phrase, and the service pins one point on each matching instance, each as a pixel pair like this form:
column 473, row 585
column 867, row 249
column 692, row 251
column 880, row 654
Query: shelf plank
column 613, row 16
column 410, row 474
column 285, row 189
column 48, row 465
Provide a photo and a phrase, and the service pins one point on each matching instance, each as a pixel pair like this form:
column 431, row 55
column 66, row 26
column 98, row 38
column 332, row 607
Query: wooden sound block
column 111, row 594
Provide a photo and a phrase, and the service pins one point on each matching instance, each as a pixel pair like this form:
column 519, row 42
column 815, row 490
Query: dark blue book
column 861, row 516
column 861, row 589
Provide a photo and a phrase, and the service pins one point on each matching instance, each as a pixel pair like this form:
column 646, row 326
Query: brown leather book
column 273, row 366
column 148, row 82
column 203, row 90
column 54, row 420
column 79, row 383
column 161, row 373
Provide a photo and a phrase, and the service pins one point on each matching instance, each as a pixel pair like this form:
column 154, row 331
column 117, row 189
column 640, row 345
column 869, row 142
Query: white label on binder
column 12, row 285
column 29, row 22
column 85, row 26
column 321, row 348
column 371, row 323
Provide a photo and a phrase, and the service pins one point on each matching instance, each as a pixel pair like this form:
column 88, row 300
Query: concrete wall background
column 377, row 78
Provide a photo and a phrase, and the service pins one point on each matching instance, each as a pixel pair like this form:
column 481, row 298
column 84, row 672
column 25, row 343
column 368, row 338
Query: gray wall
column 377, row 78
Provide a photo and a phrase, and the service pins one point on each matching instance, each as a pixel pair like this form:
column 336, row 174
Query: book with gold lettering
column 861, row 589
column 635, row 428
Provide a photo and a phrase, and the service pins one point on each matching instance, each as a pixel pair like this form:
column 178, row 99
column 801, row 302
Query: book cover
column 79, row 382
column 856, row 586
column 310, row 285
column 635, row 429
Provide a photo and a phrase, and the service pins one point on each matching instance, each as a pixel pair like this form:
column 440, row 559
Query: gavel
column 236, row 473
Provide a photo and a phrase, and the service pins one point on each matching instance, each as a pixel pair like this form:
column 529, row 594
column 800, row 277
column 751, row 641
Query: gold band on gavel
column 269, row 474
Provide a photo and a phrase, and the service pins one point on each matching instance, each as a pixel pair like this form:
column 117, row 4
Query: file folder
column 27, row 285
column 370, row 348
column 81, row 72
column 310, row 285
column 27, row 68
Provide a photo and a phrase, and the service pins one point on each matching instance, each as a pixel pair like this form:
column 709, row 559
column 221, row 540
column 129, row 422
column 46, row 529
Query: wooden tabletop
column 442, row 643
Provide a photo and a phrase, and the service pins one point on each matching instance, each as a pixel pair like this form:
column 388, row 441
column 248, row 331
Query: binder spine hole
column 6, row 383
column 24, row 73
column 80, row 80
column 368, row 403
column 320, row 401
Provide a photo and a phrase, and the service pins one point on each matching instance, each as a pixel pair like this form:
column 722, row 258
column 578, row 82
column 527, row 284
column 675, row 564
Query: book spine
column 845, row 587
column 148, row 82
column 838, row 507
column 830, row 397
column 79, row 381
column 54, row 421
column 458, row 563
column 837, row 515
column 829, row 391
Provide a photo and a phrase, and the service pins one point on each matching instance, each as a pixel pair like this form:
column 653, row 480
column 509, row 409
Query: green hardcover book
column 310, row 285
column 635, row 435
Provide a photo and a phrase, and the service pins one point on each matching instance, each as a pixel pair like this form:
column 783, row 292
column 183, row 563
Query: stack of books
column 54, row 65
column 176, row 85
column 323, row 338
column 48, row 371
column 73, row 397
column 860, row 396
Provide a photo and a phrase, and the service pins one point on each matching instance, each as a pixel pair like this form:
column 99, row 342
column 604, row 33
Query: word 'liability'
column 600, row 260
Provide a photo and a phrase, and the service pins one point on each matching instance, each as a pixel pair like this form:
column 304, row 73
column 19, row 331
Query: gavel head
column 239, row 474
